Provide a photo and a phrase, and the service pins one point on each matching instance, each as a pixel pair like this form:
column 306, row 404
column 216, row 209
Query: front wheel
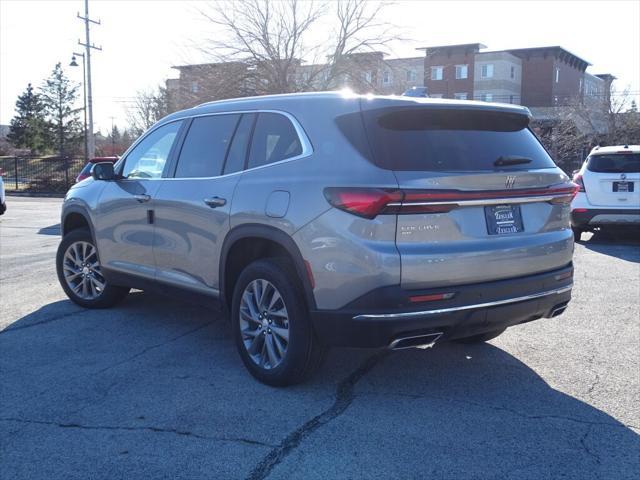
column 271, row 324
column 80, row 273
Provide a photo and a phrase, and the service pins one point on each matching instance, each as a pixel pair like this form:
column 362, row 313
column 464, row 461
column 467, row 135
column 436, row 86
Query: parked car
column 3, row 200
column 416, row 92
column 86, row 170
column 330, row 220
column 609, row 195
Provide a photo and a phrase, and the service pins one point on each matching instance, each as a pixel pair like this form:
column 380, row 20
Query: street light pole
column 88, row 47
column 84, row 96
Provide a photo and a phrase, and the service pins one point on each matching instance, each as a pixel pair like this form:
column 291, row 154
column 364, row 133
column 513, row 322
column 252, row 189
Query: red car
column 86, row 170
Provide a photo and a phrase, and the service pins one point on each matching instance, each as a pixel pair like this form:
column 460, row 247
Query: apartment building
column 535, row 77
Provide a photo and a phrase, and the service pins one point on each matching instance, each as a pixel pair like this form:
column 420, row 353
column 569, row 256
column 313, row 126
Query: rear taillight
column 577, row 179
column 364, row 202
column 370, row 202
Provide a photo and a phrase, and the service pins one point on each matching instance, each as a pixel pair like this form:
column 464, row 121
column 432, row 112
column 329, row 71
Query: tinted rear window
column 428, row 139
column 615, row 163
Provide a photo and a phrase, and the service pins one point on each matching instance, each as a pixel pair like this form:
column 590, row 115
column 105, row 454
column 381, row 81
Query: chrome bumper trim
column 405, row 315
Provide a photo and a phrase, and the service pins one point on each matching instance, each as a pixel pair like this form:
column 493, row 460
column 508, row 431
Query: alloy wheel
column 264, row 324
column 81, row 270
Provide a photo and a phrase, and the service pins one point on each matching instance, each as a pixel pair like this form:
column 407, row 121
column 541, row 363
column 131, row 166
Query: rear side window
column 274, row 139
column 205, row 146
column 429, row 139
column 614, row 163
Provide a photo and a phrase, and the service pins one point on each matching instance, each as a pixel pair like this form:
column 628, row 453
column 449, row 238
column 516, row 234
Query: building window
column 557, row 74
column 386, row 77
column 367, row 76
column 460, row 96
column 412, row 75
column 580, row 86
column 487, row 71
column 513, row 72
column 437, row 73
column 510, row 98
column 486, row 97
column 461, row 71
column 194, row 87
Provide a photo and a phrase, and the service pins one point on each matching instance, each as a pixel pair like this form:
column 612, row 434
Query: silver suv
column 330, row 220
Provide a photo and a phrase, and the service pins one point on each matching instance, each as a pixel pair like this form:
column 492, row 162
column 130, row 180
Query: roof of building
column 555, row 49
column 460, row 46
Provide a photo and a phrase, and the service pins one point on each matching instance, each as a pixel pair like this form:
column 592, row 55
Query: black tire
column 482, row 337
column 304, row 354
column 577, row 234
column 110, row 294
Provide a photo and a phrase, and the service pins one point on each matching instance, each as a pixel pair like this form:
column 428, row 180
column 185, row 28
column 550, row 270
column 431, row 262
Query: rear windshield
column 615, row 163
column 428, row 139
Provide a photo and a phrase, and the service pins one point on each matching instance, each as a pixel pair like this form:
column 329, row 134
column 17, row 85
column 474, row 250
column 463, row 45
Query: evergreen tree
column 59, row 96
column 29, row 128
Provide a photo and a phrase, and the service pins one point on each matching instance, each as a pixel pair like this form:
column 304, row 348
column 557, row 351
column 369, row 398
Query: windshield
column 614, row 163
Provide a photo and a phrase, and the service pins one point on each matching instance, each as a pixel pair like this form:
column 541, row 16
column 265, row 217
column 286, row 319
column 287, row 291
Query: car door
column 192, row 208
column 123, row 222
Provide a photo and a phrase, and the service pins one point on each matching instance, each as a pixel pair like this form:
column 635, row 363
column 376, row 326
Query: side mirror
column 103, row 171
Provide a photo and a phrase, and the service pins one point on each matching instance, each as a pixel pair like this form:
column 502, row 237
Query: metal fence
column 37, row 174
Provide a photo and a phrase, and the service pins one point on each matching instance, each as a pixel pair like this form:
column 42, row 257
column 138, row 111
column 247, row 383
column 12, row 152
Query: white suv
column 609, row 193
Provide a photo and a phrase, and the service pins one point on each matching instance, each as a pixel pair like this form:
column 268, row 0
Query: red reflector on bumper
column 431, row 298
column 579, row 210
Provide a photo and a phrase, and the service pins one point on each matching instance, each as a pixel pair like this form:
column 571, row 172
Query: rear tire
column 483, row 337
column 271, row 324
column 79, row 272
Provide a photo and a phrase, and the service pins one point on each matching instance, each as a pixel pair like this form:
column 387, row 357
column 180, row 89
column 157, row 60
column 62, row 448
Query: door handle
column 215, row 202
column 142, row 197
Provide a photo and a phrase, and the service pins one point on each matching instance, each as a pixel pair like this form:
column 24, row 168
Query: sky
column 142, row 39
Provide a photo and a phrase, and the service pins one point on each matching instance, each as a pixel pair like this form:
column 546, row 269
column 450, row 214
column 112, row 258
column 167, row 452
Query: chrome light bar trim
column 487, row 201
column 439, row 311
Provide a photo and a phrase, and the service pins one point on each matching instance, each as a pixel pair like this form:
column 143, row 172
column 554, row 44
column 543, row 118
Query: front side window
column 274, row 139
column 437, row 73
column 148, row 158
column 487, row 71
column 205, row 146
column 461, row 71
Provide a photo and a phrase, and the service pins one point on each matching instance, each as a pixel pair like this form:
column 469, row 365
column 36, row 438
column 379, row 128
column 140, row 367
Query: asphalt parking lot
column 155, row 389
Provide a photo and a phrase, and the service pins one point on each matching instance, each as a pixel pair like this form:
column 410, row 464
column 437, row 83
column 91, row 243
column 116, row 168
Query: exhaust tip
column 557, row 310
column 416, row 341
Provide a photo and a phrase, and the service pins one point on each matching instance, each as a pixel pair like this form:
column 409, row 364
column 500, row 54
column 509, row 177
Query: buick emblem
column 510, row 181
column 623, row 176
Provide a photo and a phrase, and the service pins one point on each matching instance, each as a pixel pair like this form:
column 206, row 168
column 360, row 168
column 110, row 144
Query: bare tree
column 149, row 106
column 275, row 39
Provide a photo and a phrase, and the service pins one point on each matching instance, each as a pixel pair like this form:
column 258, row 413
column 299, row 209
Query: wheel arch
column 268, row 242
column 75, row 217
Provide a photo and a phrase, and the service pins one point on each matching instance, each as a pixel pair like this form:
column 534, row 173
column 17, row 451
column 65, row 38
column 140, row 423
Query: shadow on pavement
column 155, row 388
column 623, row 244
column 50, row 230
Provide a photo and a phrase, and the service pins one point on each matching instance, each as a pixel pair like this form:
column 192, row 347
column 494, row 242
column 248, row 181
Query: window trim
column 466, row 71
column 436, row 68
column 307, row 147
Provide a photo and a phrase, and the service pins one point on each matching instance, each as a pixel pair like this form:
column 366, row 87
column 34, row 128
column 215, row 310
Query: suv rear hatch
column 481, row 199
column 613, row 179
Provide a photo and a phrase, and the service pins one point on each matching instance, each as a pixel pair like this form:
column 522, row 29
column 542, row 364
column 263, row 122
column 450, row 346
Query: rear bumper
column 593, row 217
column 384, row 315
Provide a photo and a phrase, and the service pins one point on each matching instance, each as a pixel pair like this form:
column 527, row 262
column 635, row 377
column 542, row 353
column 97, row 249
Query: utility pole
column 88, row 47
